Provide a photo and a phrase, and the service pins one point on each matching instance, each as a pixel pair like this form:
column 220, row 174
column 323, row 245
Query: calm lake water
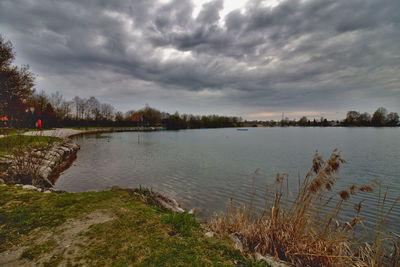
column 204, row 168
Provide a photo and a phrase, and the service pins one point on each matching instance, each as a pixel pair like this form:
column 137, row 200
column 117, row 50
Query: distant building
column 138, row 120
column 333, row 123
column 3, row 120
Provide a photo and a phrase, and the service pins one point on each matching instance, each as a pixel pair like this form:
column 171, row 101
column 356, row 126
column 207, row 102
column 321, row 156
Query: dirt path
column 64, row 241
column 59, row 132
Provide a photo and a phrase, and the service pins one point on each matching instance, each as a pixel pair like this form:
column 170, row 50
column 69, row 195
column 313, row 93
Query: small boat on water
column 240, row 129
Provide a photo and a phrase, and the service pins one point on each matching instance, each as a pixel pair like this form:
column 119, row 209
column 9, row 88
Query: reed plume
column 308, row 232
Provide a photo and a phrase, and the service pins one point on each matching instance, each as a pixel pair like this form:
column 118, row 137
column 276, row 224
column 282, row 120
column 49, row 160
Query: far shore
column 69, row 132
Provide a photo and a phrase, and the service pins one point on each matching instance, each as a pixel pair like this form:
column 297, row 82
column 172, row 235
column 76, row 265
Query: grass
column 308, row 231
column 12, row 142
column 105, row 228
column 182, row 223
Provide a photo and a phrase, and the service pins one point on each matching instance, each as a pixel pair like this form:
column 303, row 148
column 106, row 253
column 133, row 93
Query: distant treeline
column 54, row 111
column 380, row 118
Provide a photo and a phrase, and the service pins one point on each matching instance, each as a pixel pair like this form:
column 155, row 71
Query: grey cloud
column 293, row 55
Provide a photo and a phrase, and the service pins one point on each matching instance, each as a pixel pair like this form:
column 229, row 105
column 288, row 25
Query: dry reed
column 308, row 232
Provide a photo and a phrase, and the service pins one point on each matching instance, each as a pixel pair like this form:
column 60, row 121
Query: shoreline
column 69, row 132
column 46, row 164
column 64, row 154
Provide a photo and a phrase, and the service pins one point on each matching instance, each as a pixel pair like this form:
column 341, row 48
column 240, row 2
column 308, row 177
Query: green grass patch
column 133, row 233
column 182, row 223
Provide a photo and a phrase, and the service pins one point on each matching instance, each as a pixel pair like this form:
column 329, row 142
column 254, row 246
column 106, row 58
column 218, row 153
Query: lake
column 204, row 168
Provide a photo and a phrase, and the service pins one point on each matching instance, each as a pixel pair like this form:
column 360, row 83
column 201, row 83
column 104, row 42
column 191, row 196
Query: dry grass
column 307, row 232
column 28, row 157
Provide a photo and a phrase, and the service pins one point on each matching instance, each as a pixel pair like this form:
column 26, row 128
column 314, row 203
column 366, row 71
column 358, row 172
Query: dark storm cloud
column 299, row 54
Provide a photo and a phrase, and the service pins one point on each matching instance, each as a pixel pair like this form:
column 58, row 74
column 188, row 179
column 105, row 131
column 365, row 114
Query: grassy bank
column 102, row 228
column 21, row 142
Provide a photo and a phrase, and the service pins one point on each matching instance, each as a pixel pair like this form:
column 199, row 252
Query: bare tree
column 107, row 111
column 94, row 108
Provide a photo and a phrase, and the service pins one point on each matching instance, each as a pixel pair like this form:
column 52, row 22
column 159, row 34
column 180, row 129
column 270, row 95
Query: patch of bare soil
column 62, row 245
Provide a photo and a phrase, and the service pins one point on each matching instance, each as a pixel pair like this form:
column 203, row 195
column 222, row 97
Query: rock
column 47, row 192
column 45, row 171
column 1, row 181
column 176, row 206
column 3, row 185
column 19, row 185
column 53, row 154
column 193, row 211
column 58, row 191
column 271, row 261
column 5, row 161
column 29, row 187
column 237, row 238
column 65, row 149
column 209, row 234
column 48, row 163
column 39, row 189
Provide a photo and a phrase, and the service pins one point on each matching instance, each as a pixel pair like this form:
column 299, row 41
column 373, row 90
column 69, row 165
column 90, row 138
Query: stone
column 19, row 185
column 65, row 149
column 1, row 181
column 209, row 234
column 54, row 154
column 45, row 170
column 271, row 261
column 58, row 191
column 29, row 187
column 48, row 163
column 237, row 238
column 176, row 206
column 47, row 192
column 3, row 185
column 192, row 211
column 5, row 161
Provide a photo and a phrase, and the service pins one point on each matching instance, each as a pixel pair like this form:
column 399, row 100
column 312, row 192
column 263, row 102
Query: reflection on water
column 204, row 168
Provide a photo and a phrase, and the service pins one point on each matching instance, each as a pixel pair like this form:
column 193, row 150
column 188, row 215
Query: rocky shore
column 39, row 167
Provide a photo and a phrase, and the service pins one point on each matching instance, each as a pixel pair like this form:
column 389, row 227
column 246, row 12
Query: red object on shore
column 39, row 124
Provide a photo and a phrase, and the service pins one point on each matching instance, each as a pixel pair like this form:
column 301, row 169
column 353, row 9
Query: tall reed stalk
column 308, row 231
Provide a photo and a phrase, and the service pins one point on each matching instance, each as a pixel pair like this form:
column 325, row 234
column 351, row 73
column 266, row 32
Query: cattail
column 279, row 178
column 316, row 185
column 328, row 186
column 357, row 207
column 353, row 222
column 344, row 194
column 352, row 189
column 318, row 162
column 366, row 188
column 333, row 165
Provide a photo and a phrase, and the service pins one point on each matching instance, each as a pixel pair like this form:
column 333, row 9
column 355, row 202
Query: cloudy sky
column 253, row 59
